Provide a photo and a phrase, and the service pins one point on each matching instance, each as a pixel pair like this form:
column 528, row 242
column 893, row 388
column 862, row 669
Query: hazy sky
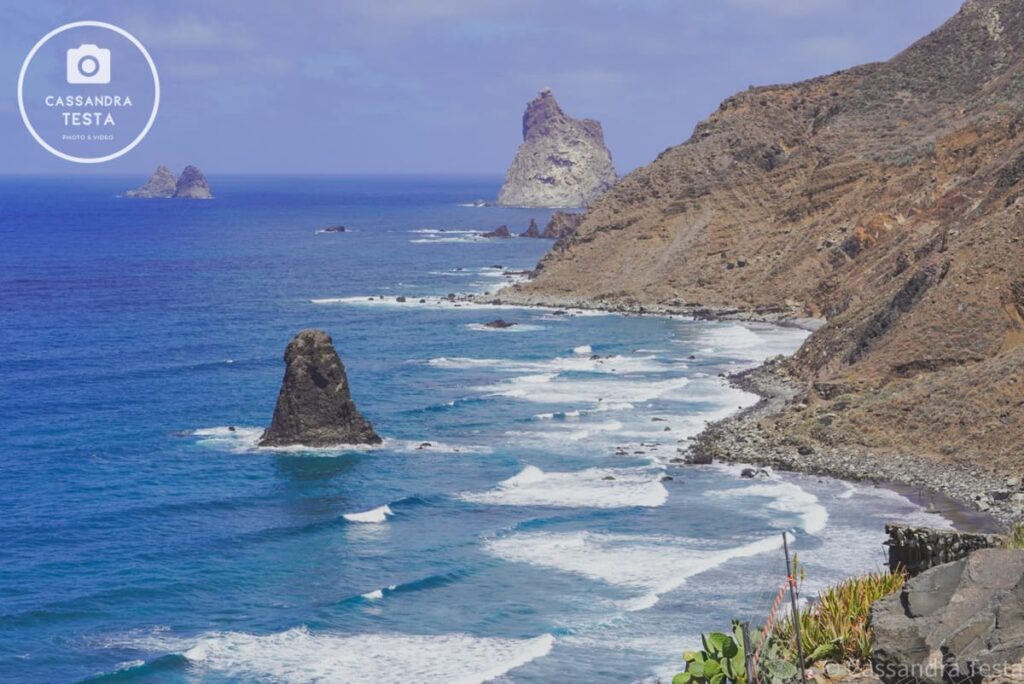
column 438, row 86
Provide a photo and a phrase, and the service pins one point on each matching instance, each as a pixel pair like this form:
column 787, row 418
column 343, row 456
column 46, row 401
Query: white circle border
column 21, row 96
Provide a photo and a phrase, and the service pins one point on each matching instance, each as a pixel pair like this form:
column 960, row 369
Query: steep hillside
column 886, row 198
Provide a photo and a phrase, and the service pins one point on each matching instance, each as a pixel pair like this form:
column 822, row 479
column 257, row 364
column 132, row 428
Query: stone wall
column 920, row 548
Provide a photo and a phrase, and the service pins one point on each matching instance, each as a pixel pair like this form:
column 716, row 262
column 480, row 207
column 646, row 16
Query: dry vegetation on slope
column 887, row 198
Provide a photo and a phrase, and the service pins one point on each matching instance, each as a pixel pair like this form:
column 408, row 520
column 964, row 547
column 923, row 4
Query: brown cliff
column 887, row 198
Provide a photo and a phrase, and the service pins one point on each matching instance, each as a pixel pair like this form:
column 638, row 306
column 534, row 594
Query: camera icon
column 89, row 64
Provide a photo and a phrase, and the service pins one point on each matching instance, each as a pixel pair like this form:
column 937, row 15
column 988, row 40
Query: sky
column 439, row 86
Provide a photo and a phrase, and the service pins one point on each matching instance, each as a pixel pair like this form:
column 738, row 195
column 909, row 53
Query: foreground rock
column 954, row 622
column 160, row 185
column 192, row 184
column 562, row 162
column 314, row 407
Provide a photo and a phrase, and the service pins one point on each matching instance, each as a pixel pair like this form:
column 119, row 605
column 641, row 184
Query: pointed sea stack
column 161, row 184
column 314, row 407
column 562, row 162
column 192, row 185
column 532, row 231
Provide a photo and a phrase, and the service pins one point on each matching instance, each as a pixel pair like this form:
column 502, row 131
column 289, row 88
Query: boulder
column 563, row 162
column 192, row 184
column 501, row 231
column 160, row 185
column 954, row 622
column 314, row 407
column 333, row 229
column 498, row 323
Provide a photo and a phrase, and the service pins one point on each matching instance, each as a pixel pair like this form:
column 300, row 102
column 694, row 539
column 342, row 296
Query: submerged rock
column 498, row 323
column 333, row 229
column 563, row 162
column 953, row 622
column 160, row 185
column 192, row 185
column 314, row 407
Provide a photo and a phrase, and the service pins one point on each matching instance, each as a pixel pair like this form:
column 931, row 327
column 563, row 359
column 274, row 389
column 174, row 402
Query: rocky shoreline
column 972, row 499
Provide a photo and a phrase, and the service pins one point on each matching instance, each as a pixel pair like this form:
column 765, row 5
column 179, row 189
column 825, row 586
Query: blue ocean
column 522, row 522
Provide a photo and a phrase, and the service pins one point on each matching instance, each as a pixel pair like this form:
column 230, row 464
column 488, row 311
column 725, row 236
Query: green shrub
column 835, row 627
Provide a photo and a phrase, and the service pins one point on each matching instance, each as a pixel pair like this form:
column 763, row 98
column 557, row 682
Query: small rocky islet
column 162, row 184
column 314, row 407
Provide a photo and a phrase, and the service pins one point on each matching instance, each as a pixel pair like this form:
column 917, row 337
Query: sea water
column 517, row 523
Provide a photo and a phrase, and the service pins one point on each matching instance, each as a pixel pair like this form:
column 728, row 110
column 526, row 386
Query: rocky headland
column 562, row 162
column 314, row 407
column 163, row 185
column 885, row 199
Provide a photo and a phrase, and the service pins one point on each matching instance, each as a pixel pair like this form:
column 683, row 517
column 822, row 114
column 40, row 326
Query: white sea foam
column 378, row 594
column 435, row 302
column 586, row 488
column 376, row 515
column 786, row 497
column 301, row 655
column 582, row 349
column 246, row 439
column 752, row 343
column 549, row 388
column 447, row 239
column 652, row 565
column 442, row 231
column 517, row 328
column 561, row 364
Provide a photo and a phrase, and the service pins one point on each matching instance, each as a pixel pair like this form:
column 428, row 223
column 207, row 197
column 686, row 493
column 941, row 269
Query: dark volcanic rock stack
column 953, row 623
column 161, row 184
column 192, row 185
column 314, row 407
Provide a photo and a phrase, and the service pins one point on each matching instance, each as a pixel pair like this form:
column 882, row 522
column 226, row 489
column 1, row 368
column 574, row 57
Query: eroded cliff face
column 563, row 162
column 887, row 198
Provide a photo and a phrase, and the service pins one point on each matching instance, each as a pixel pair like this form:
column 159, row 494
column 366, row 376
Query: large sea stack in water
column 562, row 162
column 314, row 407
